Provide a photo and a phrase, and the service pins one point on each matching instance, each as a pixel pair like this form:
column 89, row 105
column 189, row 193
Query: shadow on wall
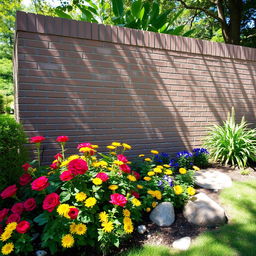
column 99, row 92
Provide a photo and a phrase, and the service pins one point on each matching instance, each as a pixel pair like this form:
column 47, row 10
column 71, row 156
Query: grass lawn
column 236, row 238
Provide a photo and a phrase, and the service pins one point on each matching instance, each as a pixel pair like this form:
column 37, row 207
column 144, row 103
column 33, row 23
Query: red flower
column 125, row 168
column 40, row 183
column 23, row 227
column 54, row 165
column 62, row 139
column 77, row 166
column 73, row 213
column 37, row 139
column 86, row 145
column 25, row 179
column 3, row 214
column 30, row 204
column 103, row 176
column 66, row 175
column 26, row 166
column 9, row 191
column 58, row 156
column 51, row 201
column 17, row 208
column 136, row 174
column 118, row 199
column 135, row 194
column 122, row 158
column 15, row 217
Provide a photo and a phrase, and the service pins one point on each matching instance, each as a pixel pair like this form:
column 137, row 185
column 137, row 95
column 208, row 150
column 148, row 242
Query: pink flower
column 15, row 217
column 78, row 166
column 136, row 174
column 23, row 227
column 122, row 158
column 58, row 156
column 62, row 139
column 73, row 213
column 66, row 175
column 86, row 145
column 135, row 194
column 103, row 176
column 125, row 168
column 30, row 204
column 118, row 199
column 40, row 183
column 51, row 201
column 26, row 166
column 3, row 214
column 25, row 179
column 17, row 208
column 54, row 165
column 9, row 191
column 37, row 139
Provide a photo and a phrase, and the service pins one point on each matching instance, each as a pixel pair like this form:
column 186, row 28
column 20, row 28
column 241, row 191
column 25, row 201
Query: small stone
column 41, row 253
column 182, row 244
column 142, row 229
column 163, row 215
column 148, row 236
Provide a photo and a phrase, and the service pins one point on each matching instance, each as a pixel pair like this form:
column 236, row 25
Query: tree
column 237, row 18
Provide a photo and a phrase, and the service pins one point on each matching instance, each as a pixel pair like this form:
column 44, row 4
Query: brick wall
column 99, row 84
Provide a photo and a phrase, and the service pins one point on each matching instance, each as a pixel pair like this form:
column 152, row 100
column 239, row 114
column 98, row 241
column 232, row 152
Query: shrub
column 184, row 159
column 200, row 157
column 12, row 151
column 232, row 143
column 88, row 199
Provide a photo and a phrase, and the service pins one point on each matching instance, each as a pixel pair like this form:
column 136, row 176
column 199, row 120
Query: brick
column 21, row 21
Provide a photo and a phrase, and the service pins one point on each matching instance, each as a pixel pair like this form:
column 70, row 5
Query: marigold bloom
column 141, row 155
column 148, row 159
column 126, row 146
column 67, row 241
column 113, row 187
column 81, row 196
column 158, row 170
column 111, row 147
column 7, row 248
column 81, row 229
column 158, row 194
column 97, row 181
column 147, row 178
column 107, row 226
column 126, row 213
column 140, row 187
column 116, row 144
column 136, row 202
column 177, row 189
column 127, row 221
column 154, row 204
column 155, row 152
column 131, row 178
column 151, row 173
column 90, row 202
column 118, row 162
column 191, row 191
column 168, row 172
column 182, row 171
column 103, row 216
column 167, row 165
column 128, row 228
column 148, row 209
column 63, row 210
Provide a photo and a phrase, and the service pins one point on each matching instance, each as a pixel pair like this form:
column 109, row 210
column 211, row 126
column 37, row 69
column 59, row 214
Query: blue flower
column 198, row 151
column 184, row 153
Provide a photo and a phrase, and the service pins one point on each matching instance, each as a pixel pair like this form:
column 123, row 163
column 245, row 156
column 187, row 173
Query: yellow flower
column 158, row 170
column 147, row 178
column 168, row 172
column 50, row 173
column 116, row 144
column 139, row 186
column 167, row 165
column 81, row 229
column 136, row 202
column 158, row 194
column 182, row 171
column 159, row 166
column 113, row 187
column 154, row 204
column 151, row 192
column 64, row 163
column 141, row 155
column 67, row 241
column 155, row 152
column 97, row 181
column 95, row 146
column 107, row 226
column 117, row 162
column 131, row 178
column 11, row 226
column 111, row 147
column 81, row 196
column 63, row 210
column 7, row 248
column 191, row 191
column 151, row 173
column 148, row 209
column 113, row 153
column 126, row 213
column 126, row 146
column 129, row 162
column 196, row 168
column 90, row 202
column 101, row 164
column 5, row 235
column 72, row 157
column 103, row 217
column 72, row 228
column 86, row 149
column 148, row 159
column 127, row 220
column 177, row 189
column 128, row 228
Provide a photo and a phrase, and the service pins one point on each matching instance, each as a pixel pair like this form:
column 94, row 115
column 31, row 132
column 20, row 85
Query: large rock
column 212, row 179
column 182, row 244
column 163, row 215
column 203, row 211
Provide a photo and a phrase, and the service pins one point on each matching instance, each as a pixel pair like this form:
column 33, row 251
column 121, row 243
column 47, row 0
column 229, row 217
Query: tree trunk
column 235, row 7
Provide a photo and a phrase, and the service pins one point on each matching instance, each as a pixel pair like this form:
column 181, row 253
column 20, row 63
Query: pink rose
column 17, row 208
column 3, row 214
column 40, row 183
column 23, row 227
column 58, row 156
column 37, row 139
column 103, row 176
column 122, row 158
column 25, row 178
column 125, row 168
column 118, row 199
column 51, row 201
column 78, row 166
column 66, row 175
column 15, row 217
column 9, row 191
column 26, row 166
column 62, row 139
column 30, row 204
column 54, row 165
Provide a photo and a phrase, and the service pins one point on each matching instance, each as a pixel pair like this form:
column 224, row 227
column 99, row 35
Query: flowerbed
column 88, row 199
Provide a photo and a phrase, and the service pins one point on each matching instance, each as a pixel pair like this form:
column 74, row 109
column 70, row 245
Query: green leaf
column 177, row 31
column 189, row 32
column 41, row 219
column 136, row 8
column 118, row 7
column 141, row 14
column 62, row 14
column 87, row 14
column 64, row 196
column 159, row 21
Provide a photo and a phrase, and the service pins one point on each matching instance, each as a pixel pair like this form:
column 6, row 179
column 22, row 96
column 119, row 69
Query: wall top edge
column 35, row 23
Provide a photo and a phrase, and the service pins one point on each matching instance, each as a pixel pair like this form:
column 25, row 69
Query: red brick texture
column 98, row 84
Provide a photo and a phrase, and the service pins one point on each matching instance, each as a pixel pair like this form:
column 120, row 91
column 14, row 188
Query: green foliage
column 1, row 104
column 12, row 151
column 200, row 157
column 232, row 143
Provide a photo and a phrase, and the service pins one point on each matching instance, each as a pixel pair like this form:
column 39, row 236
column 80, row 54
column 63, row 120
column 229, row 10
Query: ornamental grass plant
column 232, row 143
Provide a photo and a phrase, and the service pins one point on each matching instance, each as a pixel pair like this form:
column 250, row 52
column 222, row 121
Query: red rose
column 103, row 176
column 135, row 194
column 23, row 227
column 136, row 174
column 86, row 145
column 30, row 204
column 58, row 156
column 73, row 213
column 122, row 158
column 9, row 191
column 25, row 179
column 77, row 166
column 3, row 214
column 66, row 175
column 125, row 168
column 15, row 217
column 17, row 208
column 62, row 139
column 54, row 165
column 118, row 199
column 40, row 183
column 37, row 139
column 51, row 201
column 26, row 166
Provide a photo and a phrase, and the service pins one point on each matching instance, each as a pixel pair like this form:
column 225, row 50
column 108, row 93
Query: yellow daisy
column 147, row 178
column 128, row 228
column 103, row 217
column 67, row 241
column 131, row 178
column 5, row 235
column 81, row 229
column 126, row 213
column 72, row 228
column 107, row 226
column 177, row 189
column 97, row 181
column 7, row 248
column 11, row 226
column 90, row 202
column 136, row 202
column 81, row 196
